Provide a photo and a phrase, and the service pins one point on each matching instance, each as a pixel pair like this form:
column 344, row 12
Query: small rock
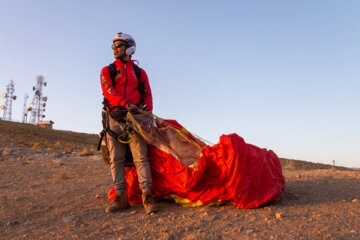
column 268, row 208
column 12, row 223
column 298, row 176
column 59, row 155
column 355, row 200
column 6, row 153
column 133, row 212
column 68, row 219
column 61, row 161
column 249, row 231
column 97, row 196
column 278, row 215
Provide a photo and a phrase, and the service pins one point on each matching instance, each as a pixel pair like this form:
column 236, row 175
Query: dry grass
column 61, row 176
column 35, row 146
column 87, row 152
column 26, row 163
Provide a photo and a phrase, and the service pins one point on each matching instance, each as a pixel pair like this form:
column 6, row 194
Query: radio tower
column 9, row 96
column 38, row 102
column 25, row 110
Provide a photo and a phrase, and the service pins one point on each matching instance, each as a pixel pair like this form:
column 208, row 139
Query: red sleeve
column 147, row 96
column 108, row 89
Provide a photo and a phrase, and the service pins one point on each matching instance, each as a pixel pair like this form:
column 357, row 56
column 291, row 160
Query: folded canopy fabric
column 192, row 173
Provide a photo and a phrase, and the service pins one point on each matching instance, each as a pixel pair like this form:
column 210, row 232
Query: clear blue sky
column 284, row 75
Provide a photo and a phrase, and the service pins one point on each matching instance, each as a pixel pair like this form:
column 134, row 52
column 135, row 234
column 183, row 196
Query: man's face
column 119, row 48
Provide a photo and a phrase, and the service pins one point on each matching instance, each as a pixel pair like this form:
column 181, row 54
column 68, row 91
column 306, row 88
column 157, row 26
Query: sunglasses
column 118, row 45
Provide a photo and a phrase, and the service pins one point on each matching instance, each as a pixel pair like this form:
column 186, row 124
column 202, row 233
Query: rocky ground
column 53, row 185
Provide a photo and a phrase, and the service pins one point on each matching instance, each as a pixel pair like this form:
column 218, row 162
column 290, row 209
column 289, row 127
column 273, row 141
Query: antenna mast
column 25, row 110
column 9, row 97
column 38, row 102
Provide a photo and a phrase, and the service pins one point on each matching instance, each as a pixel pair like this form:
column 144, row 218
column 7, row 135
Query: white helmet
column 129, row 40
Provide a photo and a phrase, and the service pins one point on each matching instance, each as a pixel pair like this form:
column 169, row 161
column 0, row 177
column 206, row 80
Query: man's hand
column 143, row 106
column 132, row 108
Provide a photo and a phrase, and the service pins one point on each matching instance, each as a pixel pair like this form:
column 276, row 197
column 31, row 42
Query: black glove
column 132, row 108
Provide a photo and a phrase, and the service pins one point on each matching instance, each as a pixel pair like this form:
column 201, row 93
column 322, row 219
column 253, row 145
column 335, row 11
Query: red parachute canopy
column 185, row 169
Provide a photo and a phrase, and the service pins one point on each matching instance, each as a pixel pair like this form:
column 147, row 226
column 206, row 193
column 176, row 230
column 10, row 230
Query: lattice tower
column 25, row 109
column 38, row 102
column 9, row 97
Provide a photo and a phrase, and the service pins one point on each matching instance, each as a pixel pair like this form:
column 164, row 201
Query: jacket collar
column 120, row 64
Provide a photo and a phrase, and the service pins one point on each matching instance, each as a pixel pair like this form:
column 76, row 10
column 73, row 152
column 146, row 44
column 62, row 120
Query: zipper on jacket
column 126, row 79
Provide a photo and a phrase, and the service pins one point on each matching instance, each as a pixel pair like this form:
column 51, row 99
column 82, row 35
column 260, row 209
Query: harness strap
column 126, row 135
column 141, row 84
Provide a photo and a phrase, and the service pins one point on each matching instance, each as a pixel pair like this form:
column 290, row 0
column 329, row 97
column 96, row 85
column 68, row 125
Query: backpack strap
column 141, row 84
column 113, row 72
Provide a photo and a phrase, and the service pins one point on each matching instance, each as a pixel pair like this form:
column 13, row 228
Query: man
column 125, row 90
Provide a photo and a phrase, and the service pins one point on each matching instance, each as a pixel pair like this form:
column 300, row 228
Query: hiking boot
column 149, row 203
column 120, row 203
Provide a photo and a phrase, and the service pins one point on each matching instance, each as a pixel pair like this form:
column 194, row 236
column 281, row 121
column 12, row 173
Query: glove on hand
column 132, row 108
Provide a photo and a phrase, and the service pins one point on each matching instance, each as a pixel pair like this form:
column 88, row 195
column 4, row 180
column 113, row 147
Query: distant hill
column 292, row 164
column 28, row 135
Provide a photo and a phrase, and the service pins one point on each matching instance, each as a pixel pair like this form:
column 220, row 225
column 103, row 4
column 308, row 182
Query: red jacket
column 126, row 85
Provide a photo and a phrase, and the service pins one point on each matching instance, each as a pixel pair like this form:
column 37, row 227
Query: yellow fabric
column 184, row 202
column 187, row 203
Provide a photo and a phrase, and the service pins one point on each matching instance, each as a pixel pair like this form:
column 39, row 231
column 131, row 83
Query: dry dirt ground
column 53, row 187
